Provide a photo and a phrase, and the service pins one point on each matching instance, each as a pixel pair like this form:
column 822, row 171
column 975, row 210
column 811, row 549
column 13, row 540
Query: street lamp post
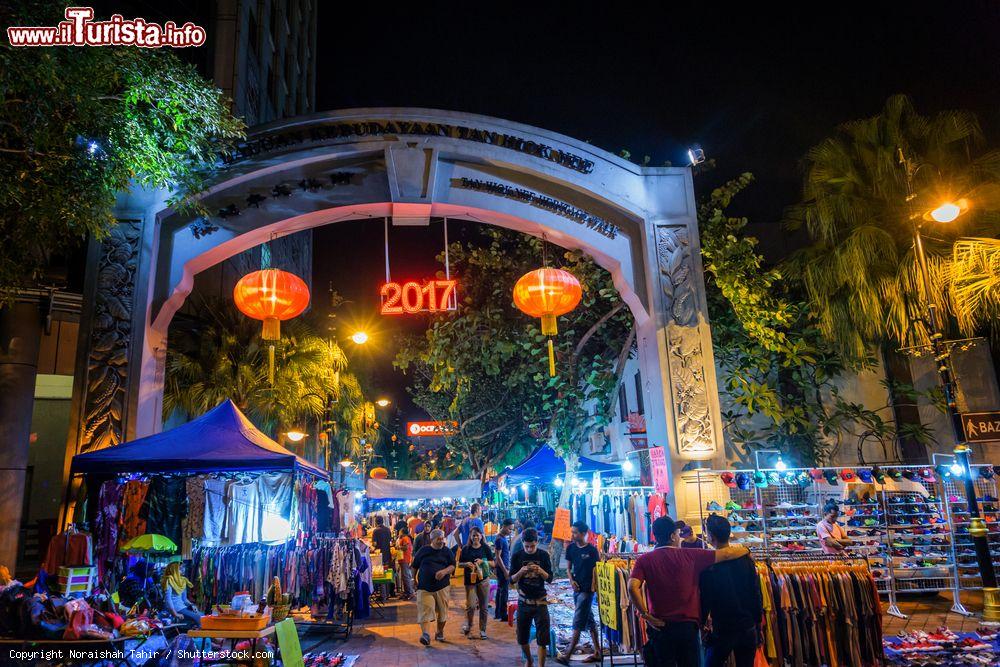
column 941, row 356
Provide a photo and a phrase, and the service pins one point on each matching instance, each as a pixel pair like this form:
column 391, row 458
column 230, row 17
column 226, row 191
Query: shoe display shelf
column 958, row 513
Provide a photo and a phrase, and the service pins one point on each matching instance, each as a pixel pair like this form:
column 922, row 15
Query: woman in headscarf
column 175, row 597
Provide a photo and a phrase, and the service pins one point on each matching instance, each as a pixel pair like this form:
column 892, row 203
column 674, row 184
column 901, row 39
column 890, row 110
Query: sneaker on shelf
column 714, row 507
column 733, row 505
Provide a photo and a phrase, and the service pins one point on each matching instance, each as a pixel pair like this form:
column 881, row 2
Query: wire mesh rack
column 956, row 505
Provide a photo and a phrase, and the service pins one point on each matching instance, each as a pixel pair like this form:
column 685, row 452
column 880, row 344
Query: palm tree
column 975, row 276
column 221, row 356
column 859, row 272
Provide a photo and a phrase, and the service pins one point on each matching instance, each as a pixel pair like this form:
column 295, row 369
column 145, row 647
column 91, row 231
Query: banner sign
column 607, row 598
column 658, row 462
column 411, row 297
column 560, row 528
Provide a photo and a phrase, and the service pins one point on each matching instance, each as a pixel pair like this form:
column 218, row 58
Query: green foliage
column 859, row 274
column 485, row 365
column 78, row 125
column 777, row 373
column 222, row 356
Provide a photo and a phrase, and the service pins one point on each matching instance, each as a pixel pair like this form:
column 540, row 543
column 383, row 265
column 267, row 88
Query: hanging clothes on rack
column 132, row 521
column 821, row 613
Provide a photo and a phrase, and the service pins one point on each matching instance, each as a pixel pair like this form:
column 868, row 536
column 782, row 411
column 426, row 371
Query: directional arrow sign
column 981, row 426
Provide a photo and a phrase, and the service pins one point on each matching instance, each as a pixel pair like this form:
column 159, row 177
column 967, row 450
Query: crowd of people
column 696, row 594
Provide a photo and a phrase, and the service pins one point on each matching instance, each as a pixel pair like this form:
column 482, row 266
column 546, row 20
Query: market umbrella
column 149, row 542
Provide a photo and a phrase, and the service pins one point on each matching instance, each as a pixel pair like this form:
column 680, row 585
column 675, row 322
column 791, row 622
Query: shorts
column 532, row 613
column 433, row 606
column 583, row 612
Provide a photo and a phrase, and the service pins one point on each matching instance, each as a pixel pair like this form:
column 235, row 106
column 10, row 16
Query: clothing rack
column 330, row 626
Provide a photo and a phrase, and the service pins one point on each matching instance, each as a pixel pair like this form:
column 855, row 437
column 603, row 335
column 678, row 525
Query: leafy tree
column 859, row 273
column 778, row 374
column 975, row 284
column 78, row 125
column 485, row 364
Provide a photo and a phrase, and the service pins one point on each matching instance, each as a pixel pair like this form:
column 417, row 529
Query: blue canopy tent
column 544, row 465
column 221, row 440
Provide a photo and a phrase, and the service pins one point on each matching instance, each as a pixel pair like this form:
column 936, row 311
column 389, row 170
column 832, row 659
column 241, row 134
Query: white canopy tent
column 409, row 489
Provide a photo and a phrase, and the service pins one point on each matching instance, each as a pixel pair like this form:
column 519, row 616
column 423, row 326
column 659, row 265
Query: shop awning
column 544, row 465
column 410, row 489
column 221, row 440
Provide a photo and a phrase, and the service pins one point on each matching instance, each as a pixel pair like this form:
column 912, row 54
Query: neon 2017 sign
column 411, row 297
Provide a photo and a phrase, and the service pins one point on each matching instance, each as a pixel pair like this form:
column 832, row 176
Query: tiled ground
column 929, row 612
column 394, row 639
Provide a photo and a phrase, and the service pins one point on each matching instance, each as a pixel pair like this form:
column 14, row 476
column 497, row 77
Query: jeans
column 503, row 591
column 477, row 596
column 673, row 645
column 406, row 578
column 191, row 616
column 741, row 644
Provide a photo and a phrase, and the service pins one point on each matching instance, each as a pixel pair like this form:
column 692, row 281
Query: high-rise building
column 264, row 57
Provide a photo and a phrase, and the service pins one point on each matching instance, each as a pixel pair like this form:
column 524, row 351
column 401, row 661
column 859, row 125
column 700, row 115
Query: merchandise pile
column 328, row 659
column 943, row 647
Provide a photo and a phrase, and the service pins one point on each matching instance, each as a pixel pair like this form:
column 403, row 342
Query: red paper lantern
column 547, row 294
column 271, row 295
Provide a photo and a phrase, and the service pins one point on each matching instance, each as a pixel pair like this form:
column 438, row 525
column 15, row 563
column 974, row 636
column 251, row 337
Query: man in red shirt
column 673, row 612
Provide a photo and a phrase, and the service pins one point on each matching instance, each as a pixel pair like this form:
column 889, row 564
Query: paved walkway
column 394, row 640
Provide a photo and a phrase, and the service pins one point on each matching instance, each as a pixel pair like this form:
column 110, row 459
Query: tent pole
column 64, row 511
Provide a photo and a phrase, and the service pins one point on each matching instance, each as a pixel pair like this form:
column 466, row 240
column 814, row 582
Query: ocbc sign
column 431, row 429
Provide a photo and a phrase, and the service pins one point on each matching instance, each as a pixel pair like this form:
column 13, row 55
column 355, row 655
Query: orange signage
column 431, row 296
column 560, row 528
column 431, row 429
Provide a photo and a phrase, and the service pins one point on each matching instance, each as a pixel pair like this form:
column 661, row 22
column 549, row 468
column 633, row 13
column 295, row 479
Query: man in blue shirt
column 472, row 521
column 502, row 548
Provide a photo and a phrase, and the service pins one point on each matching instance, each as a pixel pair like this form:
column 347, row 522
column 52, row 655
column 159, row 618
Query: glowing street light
column 295, row 435
column 346, row 463
column 382, row 402
column 947, row 211
column 359, row 337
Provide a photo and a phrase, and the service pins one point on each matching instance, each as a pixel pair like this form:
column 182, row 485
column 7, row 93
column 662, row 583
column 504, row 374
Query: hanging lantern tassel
column 270, row 365
column 547, row 294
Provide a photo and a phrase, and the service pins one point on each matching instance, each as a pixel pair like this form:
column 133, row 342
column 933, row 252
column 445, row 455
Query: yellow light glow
column 382, row 402
column 346, row 463
column 295, row 436
column 360, row 338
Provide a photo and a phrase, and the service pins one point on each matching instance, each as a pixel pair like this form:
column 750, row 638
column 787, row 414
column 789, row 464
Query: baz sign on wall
column 981, row 426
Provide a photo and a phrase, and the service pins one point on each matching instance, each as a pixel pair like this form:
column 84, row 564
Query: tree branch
column 592, row 330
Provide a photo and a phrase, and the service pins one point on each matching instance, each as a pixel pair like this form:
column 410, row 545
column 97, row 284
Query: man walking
column 673, row 611
column 531, row 569
column 502, row 548
column 433, row 564
column 582, row 558
column 730, row 602
column 474, row 520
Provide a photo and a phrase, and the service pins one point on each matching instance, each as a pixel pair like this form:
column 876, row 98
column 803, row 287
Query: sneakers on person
column 562, row 658
column 439, row 636
column 425, row 639
column 465, row 629
column 482, row 634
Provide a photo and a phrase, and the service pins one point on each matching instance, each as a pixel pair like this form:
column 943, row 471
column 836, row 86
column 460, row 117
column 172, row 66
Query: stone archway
column 639, row 223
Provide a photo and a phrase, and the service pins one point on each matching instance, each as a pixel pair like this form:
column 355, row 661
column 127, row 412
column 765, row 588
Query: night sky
column 755, row 87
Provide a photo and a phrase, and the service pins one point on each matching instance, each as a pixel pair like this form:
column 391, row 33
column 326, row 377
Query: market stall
column 909, row 522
